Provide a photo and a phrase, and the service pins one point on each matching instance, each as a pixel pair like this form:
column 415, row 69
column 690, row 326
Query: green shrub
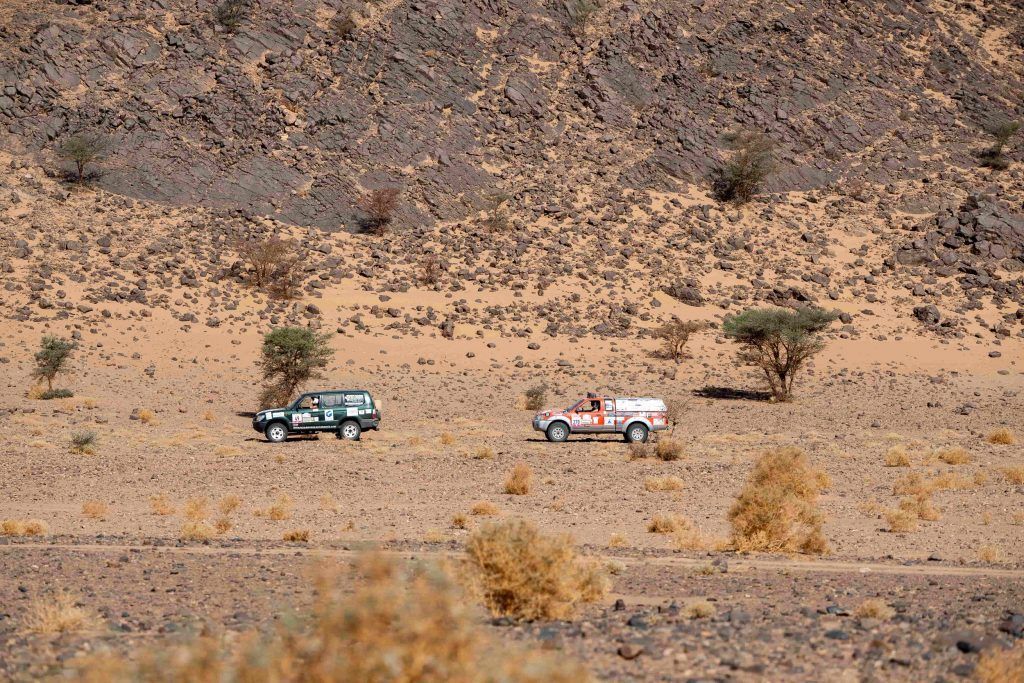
column 739, row 179
column 52, row 359
column 1001, row 130
column 535, row 397
column 50, row 394
column 83, row 442
column 291, row 356
column 83, row 150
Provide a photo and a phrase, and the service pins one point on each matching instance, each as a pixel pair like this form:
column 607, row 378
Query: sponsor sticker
column 352, row 412
column 329, row 415
column 277, row 414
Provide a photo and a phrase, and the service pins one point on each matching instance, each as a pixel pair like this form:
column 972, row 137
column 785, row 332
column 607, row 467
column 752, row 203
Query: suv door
column 588, row 416
column 609, row 417
column 306, row 418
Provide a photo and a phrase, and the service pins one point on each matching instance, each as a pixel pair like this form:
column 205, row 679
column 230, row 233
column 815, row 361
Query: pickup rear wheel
column 276, row 432
column 350, row 431
column 636, row 433
column 558, row 432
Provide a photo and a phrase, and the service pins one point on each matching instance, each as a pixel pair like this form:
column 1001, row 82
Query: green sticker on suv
column 345, row 412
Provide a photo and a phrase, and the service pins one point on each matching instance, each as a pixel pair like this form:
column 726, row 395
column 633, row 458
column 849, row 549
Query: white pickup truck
column 634, row 418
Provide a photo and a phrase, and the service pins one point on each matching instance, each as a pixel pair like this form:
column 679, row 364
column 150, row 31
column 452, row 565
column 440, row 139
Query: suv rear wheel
column 276, row 432
column 349, row 431
column 636, row 433
column 559, row 431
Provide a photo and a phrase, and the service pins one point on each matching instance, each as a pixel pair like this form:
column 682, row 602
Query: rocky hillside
column 597, row 132
column 307, row 103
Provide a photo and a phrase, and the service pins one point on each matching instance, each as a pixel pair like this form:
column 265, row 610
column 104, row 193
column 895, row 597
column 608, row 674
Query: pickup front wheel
column 276, row 432
column 558, row 432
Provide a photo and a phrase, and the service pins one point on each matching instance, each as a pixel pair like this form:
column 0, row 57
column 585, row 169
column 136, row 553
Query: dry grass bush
column 146, row 416
column 989, row 553
column 921, row 507
column 484, row 508
column 58, row 614
column 912, row 484
column 1000, row 665
column 699, row 609
column 618, row 541
column 950, row 481
column 160, row 504
column 666, row 524
column 222, row 526
column 280, row 510
column 1002, row 437
column 953, row 456
column 84, row 443
column 520, row 480
column 484, row 453
column 655, row 484
column 447, row 439
column 380, row 206
column 874, row 608
column 519, row 572
column 901, row 521
column 1014, row 475
column 94, row 509
column 197, row 509
column 229, row 504
column 686, row 536
column 297, row 536
column 396, row 627
column 777, row 510
column 460, row 520
column 668, row 449
column 23, row 527
column 897, row 457
column 197, row 530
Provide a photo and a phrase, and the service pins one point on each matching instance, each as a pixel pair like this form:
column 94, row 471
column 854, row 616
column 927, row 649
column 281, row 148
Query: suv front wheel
column 276, row 432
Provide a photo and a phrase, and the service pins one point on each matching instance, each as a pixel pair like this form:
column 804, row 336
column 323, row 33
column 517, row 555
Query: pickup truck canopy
column 639, row 405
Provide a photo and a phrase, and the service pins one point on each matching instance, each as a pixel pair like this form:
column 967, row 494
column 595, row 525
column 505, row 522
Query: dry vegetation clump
column 699, row 609
column 58, row 614
column 655, row 484
column 1014, row 475
column 912, row 484
column 674, row 335
column 273, row 264
column 380, row 206
column 447, row 439
column 23, row 527
column 84, row 443
column 222, row 525
column 484, row 508
column 197, row 530
column 639, row 451
column 94, row 509
column 897, row 457
column 950, row 481
column 1002, row 437
column 397, row 626
column 280, row 510
column 519, row 572
column 618, row 540
column 954, row 456
column 666, row 524
column 297, row 536
column 520, row 480
column 146, row 416
column 686, row 536
column 534, row 398
column 1000, row 665
column 777, row 510
column 921, row 506
column 460, row 520
column 874, row 608
column 229, row 504
column 901, row 521
column 197, row 509
column 484, row 453
column 668, row 449
column 989, row 553
column 161, row 504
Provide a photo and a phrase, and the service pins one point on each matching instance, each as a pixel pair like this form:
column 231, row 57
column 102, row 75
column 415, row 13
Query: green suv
column 344, row 412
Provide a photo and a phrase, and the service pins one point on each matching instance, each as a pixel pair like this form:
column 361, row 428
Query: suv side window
column 330, row 400
column 305, row 402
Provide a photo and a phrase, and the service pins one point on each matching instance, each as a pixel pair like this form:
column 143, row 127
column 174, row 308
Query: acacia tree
column 1001, row 131
column 291, row 357
column 83, row 149
column 779, row 341
column 52, row 359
